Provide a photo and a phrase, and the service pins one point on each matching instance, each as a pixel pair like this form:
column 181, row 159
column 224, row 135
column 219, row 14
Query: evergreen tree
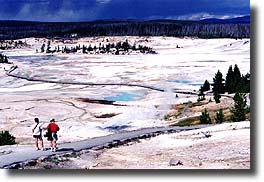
column 134, row 47
column 90, row 48
column 206, row 86
column 237, row 74
column 236, row 84
column 118, row 45
column 201, row 95
column 125, row 45
column 229, row 80
column 217, row 97
column 205, row 117
column 48, row 47
column 58, row 48
column 219, row 116
column 240, row 108
column 84, row 49
column 3, row 59
column 246, row 83
column 42, row 49
column 218, row 86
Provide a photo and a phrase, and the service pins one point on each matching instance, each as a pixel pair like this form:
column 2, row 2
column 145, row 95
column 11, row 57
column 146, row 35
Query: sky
column 90, row 10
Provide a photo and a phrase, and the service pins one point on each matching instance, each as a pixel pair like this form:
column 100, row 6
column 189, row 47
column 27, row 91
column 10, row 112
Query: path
column 15, row 155
column 9, row 73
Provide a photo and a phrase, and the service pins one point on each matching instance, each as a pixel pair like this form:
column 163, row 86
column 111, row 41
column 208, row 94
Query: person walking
column 37, row 133
column 53, row 128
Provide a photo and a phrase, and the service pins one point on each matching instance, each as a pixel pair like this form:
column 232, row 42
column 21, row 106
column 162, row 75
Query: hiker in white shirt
column 37, row 133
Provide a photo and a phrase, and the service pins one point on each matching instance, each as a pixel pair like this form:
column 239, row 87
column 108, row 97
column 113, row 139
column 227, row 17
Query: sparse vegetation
column 219, row 116
column 180, row 109
column 205, row 117
column 189, row 121
column 6, row 138
column 103, row 48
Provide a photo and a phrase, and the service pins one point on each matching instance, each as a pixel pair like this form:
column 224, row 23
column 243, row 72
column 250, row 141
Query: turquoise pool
column 125, row 96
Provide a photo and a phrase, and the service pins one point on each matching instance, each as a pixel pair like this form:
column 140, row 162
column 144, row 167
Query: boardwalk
column 25, row 153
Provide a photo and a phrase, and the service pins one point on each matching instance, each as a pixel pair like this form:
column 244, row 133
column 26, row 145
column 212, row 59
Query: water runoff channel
column 13, row 68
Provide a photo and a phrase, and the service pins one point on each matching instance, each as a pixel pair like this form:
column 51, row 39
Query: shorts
column 37, row 136
column 54, row 136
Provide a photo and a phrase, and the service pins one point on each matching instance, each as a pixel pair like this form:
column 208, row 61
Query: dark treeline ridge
column 108, row 48
column 176, row 28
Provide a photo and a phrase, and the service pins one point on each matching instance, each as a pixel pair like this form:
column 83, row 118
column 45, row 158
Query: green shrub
column 205, row 118
column 219, row 116
column 6, row 138
column 167, row 117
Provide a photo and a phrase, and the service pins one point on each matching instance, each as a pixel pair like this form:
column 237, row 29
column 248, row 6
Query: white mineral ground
column 183, row 68
column 227, row 148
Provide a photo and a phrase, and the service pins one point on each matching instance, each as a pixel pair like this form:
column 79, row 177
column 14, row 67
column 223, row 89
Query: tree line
column 175, row 28
column 234, row 82
column 112, row 48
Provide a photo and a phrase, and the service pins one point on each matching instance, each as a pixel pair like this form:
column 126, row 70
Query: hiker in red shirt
column 52, row 129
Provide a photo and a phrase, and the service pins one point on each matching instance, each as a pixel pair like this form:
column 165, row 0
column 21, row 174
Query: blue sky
column 89, row 10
